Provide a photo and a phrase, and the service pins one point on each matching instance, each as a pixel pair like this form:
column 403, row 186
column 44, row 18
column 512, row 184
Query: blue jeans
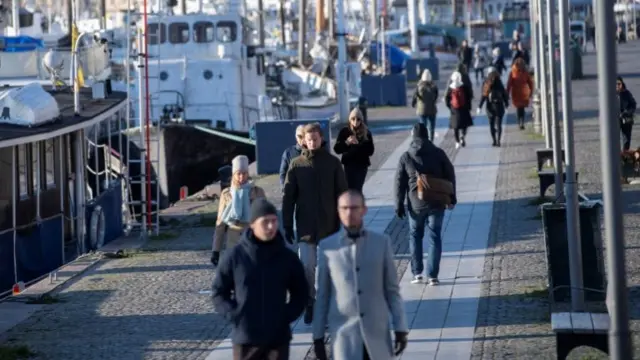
column 430, row 123
column 431, row 221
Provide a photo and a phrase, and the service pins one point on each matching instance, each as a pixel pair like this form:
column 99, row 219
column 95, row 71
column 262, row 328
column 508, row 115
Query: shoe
column 417, row 279
column 308, row 314
column 457, row 145
column 521, row 126
column 498, row 143
column 463, row 142
column 215, row 257
column 433, row 282
column 495, row 143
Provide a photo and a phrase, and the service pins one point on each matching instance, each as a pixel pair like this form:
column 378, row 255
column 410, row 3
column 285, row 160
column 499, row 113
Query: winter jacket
column 520, row 86
column 250, row 289
column 465, row 55
column 480, row 60
column 225, row 199
column 314, row 182
column 496, row 107
column 425, row 99
column 627, row 105
column 289, row 154
column 423, row 157
column 498, row 63
column 354, row 154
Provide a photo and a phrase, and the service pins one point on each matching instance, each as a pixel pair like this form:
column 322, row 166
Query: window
column 226, row 31
column 49, row 164
column 179, row 33
column 157, row 33
column 22, row 171
column 203, row 32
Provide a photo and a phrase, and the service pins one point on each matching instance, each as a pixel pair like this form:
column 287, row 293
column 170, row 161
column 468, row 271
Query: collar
column 353, row 236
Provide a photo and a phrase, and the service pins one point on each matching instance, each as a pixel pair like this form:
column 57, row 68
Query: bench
column 574, row 329
column 547, row 178
column 544, row 155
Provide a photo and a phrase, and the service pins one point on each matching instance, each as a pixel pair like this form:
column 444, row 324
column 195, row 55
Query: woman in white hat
column 458, row 100
column 234, row 207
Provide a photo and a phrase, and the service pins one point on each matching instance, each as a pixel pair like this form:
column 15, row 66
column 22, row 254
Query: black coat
column 460, row 118
column 288, row 154
column 499, row 106
column 250, row 289
column 354, row 154
column 425, row 158
column 627, row 105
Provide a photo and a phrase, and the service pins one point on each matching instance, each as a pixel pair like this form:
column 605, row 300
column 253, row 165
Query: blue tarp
column 396, row 57
column 7, row 274
column 39, row 249
column 19, row 43
column 111, row 203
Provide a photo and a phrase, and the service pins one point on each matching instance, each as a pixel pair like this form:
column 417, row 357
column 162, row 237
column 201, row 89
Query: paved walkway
column 442, row 318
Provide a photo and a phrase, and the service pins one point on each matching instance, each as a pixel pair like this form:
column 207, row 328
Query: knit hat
column 419, row 131
column 240, row 163
column 261, row 207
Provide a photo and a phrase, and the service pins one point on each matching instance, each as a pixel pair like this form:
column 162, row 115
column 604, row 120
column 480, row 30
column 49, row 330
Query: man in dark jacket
column 423, row 158
column 314, row 182
column 251, row 286
column 465, row 54
column 291, row 153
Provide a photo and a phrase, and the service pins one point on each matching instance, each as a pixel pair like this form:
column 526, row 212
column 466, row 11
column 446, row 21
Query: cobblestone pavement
column 148, row 305
column 514, row 315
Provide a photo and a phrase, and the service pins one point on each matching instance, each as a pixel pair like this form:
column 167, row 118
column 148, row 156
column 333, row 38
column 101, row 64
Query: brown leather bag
column 434, row 190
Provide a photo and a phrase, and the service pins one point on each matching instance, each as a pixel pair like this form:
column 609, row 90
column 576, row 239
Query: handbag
column 434, row 190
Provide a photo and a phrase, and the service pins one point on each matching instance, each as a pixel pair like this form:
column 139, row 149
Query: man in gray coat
column 357, row 289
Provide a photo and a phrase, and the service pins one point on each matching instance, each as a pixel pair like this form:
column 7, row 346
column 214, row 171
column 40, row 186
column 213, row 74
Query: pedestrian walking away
column 627, row 111
column 251, row 287
column 479, row 62
column 355, row 144
column 426, row 178
column 314, row 181
column 358, row 290
column 520, row 86
column 496, row 99
column 291, row 153
column 425, row 100
column 458, row 100
column 233, row 207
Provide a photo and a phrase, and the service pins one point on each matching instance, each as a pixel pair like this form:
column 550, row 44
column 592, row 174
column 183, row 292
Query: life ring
column 97, row 228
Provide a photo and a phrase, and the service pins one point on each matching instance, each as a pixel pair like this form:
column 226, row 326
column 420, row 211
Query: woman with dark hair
column 355, row 144
column 627, row 110
column 520, row 86
column 497, row 100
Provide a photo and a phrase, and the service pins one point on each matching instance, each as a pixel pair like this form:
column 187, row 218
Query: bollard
column 18, row 288
column 537, row 116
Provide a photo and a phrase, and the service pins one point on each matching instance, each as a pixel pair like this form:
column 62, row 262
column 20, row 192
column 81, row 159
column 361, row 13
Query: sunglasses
column 354, row 119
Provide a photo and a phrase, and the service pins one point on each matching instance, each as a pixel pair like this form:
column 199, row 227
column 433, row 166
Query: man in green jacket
column 314, row 182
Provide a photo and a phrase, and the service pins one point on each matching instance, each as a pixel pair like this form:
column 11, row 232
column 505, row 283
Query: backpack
column 458, row 100
column 495, row 97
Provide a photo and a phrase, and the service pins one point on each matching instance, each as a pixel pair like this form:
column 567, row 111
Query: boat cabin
column 207, row 66
column 54, row 204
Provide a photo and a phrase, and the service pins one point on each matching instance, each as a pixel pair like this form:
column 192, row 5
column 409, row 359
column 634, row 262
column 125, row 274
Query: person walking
column 291, row 153
column 425, row 100
column 233, row 207
column 520, row 86
column 260, row 288
column 497, row 61
column 479, row 62
column 355, row 144
column 627, row 108
column 458, row 100
column 496, row 99
column 356, row 297
column 314, row 181
column 525, row 54
column 465, row 54
column 425, row 176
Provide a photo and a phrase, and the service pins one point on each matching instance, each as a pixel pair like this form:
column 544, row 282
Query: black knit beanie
column 262, row 207
column 419, row 131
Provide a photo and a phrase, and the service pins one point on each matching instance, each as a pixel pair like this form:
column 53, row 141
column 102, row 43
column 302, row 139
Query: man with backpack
column 425, row 101
column 426, row 176
column 458, row 100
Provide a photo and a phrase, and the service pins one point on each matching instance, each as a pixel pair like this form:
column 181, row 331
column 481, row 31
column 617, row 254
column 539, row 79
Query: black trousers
column 366, row 354
column 495, row 126
column 459, row 134
column 625, row 129
column 479, row 74
column 251, row 352
column 356, row 175
column 520, row 114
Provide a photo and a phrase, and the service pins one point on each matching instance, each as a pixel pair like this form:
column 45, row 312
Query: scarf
column 239, row 208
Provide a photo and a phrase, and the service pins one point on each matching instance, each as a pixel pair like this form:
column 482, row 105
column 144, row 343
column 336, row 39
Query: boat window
column 157, row 33
column 25, row 19
column 49, row 164
column 203, row 32
column 22, row 171
column 179, row 33
column 226, row 31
